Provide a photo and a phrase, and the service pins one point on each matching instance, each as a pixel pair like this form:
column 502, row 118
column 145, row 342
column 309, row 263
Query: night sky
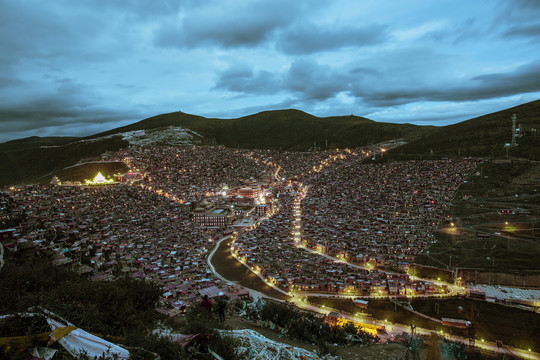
column 81, row 67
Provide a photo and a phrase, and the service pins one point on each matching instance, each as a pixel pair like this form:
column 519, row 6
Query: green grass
column 495, row 187
column 493, row 322
column 491, row 254
column 32, row 162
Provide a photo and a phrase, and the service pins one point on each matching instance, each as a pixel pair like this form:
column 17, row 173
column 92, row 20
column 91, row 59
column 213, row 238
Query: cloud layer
column 75, row 68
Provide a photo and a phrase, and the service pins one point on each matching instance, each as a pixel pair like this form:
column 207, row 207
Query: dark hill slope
column 154, row 122
column 35, row 141
column 25, row 164
column 282, row 129
column 484, row 136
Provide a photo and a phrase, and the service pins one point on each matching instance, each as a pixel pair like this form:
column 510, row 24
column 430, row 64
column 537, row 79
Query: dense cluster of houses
column 379, row 214
column 269, row 250
column 117, row 230
column 192, row 173
column 159, row 221
column 375, row 215
column 132, row 228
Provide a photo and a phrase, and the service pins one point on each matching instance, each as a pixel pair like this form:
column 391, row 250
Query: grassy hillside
column 483, row 136
column 35, row 141
column 25, row 164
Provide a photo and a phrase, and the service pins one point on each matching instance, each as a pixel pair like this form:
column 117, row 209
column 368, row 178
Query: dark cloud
column 240, row 24
column 523, row 79
column 364, row 71
column 308, row 38
column 242, row 79
column 527, row 30
column 307, row 79
column 9, row 81
column 313, row 81
column 526, row 5
column 52, row 110
column 63, row 33
column 26, row 32
column 65, row 110
column 54, row 116
column 519, row 20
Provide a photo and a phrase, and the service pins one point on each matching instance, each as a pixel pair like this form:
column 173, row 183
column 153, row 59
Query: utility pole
column 514, row 143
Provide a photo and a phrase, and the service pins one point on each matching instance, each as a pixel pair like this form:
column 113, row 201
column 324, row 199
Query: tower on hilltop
column 514, row 132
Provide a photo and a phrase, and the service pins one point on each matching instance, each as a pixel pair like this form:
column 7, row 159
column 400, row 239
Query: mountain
column 28, row 159
column 281, row 129
column 25, row 160
column 483, row 136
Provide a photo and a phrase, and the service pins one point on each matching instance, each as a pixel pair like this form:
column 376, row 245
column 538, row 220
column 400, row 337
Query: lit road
column 211, row 255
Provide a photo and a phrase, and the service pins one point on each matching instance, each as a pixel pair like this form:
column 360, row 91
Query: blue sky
column 80, row 67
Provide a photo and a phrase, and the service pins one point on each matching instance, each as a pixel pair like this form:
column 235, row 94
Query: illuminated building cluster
column 160, row 220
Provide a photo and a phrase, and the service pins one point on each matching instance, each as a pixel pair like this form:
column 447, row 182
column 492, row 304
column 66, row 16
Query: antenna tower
column 514, row 143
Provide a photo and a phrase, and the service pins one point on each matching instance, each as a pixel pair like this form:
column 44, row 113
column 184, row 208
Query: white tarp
column 43, row 353
column 79, row 341
column 76, row 341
